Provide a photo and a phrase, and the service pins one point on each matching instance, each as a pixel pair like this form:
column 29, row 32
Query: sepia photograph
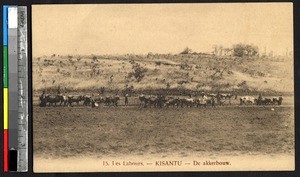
column 163, row 87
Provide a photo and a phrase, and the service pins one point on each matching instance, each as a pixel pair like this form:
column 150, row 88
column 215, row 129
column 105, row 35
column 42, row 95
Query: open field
column 61, row 132
column 249, row 137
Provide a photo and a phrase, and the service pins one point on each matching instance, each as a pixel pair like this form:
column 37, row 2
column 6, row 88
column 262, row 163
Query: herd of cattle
column 155, row 101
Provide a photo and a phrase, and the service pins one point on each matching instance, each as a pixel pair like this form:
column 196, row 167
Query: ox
column 53, row 99
column 247, row 100
column 188, row 102
column 277, row 100
column 74, row 99
column 112, row 101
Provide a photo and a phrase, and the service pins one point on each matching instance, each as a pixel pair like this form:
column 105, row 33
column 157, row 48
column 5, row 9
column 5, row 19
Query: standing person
column 280, row 100
column 43, row 99
column 213, row 102
column 115, row 100
column 218, row 98
column 126, row 99
column 93, row 103
column 203, row 100
column 259, row 100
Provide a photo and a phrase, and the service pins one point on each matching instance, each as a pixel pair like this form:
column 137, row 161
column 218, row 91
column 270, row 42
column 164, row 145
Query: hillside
column 201, row 72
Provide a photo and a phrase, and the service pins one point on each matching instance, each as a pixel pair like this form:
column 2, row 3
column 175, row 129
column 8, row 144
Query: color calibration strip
column 15, row 91
column 5, row 87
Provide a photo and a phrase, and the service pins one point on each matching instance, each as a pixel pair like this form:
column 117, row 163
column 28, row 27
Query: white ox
column 247, row 100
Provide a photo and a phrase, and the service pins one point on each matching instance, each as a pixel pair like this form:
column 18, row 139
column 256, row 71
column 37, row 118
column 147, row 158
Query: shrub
column 138, row 72
column 158, row 63
column 242, row 50
column 186, row 51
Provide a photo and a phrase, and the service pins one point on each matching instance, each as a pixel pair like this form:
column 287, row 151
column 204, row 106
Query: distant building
column 220, row 51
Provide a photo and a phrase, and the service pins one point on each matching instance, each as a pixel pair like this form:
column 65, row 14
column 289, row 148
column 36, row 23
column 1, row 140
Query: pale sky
column 159, row 28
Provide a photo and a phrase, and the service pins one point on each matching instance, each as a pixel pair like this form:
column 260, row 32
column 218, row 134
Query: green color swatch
column 5, row 67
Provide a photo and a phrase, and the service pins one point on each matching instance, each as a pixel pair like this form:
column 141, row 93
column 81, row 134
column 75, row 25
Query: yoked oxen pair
column 59, row 99
column 246, row 100
column 98, row 99
column 277, row 100
column 87, row 100
column 188, row 102
column 202, row 101
column 226, row 95
column 182, row 102
column 155, row 101
column 205, row 100
column 270, row 101
column 51, row 100
column 112, row 101
column 74, row 99
column 173, row 102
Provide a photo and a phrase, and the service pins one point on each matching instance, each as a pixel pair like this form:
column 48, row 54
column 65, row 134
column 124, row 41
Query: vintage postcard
column 163, row 87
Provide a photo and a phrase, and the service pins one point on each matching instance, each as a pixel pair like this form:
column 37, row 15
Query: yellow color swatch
column 5, row 104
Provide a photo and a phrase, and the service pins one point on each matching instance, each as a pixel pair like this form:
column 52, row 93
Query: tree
column 242, row 50
column 238, row 50
column 186, row 51
column 150, row 55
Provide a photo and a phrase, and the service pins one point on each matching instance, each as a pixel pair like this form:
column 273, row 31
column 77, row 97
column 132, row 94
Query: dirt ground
column 111, row 132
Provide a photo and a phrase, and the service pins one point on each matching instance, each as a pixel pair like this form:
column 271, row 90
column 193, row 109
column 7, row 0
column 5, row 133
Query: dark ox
column 87, row 100
column 112, row 101
column 53, row 100
column 278, row 100
column 266, row 101
column 151, row 101
column 74, row 99
column 269, row 101
column 43, row 100
column 155, row 101
column 147, row 101
column 160, row 101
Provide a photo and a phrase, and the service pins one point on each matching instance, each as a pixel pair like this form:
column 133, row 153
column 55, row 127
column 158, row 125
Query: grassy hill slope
column 200, row 72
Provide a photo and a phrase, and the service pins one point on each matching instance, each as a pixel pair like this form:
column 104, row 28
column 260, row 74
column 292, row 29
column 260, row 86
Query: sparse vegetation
column 138, row 72
column 182, row 72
